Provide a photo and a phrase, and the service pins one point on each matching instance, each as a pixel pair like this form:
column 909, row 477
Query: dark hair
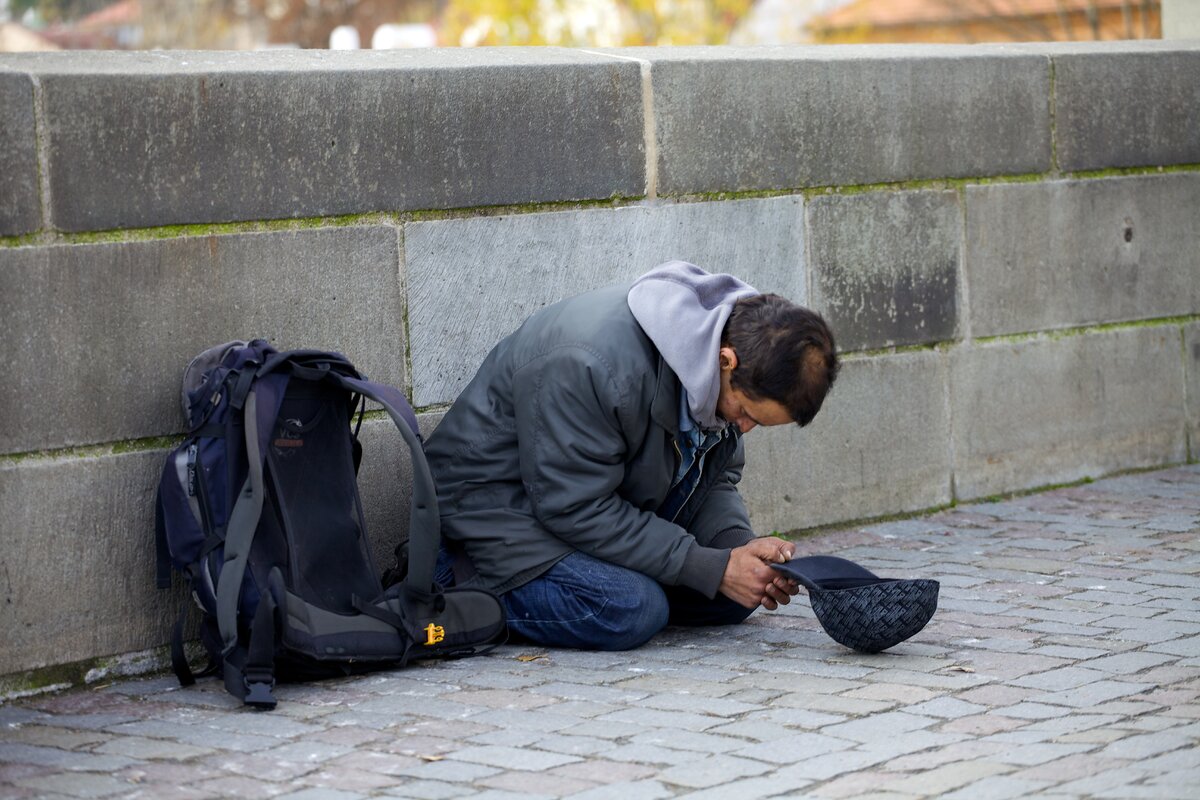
column 785, row 353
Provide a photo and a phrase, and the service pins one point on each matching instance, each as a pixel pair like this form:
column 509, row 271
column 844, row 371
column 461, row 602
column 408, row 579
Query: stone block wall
column 1006, row 240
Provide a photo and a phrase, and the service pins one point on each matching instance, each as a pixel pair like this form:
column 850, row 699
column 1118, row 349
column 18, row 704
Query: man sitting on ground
column 588, row 474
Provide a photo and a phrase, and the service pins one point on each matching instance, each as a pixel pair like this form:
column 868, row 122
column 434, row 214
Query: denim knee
column 636, row 610
column 588, row 604
column 443, row 570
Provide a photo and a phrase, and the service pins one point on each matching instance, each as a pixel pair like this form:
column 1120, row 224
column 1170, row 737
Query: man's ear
column 727, row 358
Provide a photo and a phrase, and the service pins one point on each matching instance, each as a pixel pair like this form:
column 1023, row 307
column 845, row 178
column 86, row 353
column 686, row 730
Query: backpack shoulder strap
column 262, row 404
column 425, row 523
column 239, row 533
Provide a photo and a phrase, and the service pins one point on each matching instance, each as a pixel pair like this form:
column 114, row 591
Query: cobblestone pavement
column 1064, row 661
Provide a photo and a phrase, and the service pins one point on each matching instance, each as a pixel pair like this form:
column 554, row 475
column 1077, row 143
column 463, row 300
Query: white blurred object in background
column 1181, row 19
column 394, row 37
column 344, row 37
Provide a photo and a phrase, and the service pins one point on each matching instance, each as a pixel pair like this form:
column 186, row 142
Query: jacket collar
column 664, row 408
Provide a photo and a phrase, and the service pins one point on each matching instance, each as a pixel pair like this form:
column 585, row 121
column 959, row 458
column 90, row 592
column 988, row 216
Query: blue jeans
column 589, row 604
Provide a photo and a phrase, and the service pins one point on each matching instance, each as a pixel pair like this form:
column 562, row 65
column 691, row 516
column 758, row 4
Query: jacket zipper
column 699, row 478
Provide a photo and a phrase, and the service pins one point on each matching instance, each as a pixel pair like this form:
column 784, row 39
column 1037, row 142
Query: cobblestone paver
column 1064, row 662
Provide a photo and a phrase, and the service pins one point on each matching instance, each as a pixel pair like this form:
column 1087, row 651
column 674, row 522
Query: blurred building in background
column 780, row 21
column 211, row 24
column 16, row 38
column 114, row 27
column 968, row 21
column 342, row 24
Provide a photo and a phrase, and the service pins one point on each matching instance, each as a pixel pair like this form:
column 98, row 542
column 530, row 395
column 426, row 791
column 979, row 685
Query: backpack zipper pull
column 192, row 452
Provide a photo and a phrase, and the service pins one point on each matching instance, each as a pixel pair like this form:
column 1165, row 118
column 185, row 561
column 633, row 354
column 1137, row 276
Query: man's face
column 735, row 407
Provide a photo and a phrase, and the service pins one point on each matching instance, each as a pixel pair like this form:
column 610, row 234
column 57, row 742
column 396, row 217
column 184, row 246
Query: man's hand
column 749, row 582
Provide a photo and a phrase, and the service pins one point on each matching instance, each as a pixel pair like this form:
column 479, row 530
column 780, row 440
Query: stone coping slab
column 194, row 137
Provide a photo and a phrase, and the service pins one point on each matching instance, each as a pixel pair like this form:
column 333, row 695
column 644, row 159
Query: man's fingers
column 776, row 551
column 776, row 596
column 781, row 595
column 751, row 582
column 791, row 587
column 771, row 549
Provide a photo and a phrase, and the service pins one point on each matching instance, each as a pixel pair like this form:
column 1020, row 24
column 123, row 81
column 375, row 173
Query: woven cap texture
column 877, row 616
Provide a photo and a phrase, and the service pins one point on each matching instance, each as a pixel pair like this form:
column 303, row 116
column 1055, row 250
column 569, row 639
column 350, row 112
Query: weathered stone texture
column 1044, row 256
column 1065, row 253
column 473, row 281
column 878, row 446
column 385, row 485
column 884, row 266
column 20, row 209
column 96, row 337
column 140, row 140
column 77, row 562
column 1138, row 105
column 1037, row 412
column 777, row 118
column 1191, row 360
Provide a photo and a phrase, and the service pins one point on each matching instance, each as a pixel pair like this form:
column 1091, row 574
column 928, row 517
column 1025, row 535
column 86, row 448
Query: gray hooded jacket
column 566, row 438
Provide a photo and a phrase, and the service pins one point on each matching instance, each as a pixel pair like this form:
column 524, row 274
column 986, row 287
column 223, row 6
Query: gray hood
column 683, row 310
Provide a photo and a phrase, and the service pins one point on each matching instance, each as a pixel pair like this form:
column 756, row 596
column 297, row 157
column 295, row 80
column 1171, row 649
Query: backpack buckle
column 258, row 694
column 242, row 388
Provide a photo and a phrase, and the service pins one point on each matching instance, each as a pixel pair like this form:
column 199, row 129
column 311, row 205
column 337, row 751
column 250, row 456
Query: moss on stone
column 1049, row 487
column 801, row 533
column 199, row 229
column 372, row 415
column 24, row 240
column 1082, row 330
column 57, row 453
column 435, row 408
column 45, row 679
column 747, row 194
column 1119, row 172
column 513, row 209
column 385, row 217
column 1026, row 177
column 930, row 184
column 59, row 677
column 924, row 347
column 147, row 444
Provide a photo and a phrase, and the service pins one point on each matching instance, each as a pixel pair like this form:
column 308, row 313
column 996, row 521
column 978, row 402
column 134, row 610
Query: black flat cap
column 858, row 608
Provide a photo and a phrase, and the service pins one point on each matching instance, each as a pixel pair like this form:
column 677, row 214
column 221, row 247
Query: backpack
column 259, row 508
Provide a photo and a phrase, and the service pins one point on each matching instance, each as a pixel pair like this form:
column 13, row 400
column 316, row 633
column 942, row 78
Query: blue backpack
column 259, row 508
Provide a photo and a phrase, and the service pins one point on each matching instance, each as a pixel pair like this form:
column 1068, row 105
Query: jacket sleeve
column 571, row 416
column 722, row 521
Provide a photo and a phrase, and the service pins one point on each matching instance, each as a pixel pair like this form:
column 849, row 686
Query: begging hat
column 858, row 608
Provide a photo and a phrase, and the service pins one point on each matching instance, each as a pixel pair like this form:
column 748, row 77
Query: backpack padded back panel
column 311, row 466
